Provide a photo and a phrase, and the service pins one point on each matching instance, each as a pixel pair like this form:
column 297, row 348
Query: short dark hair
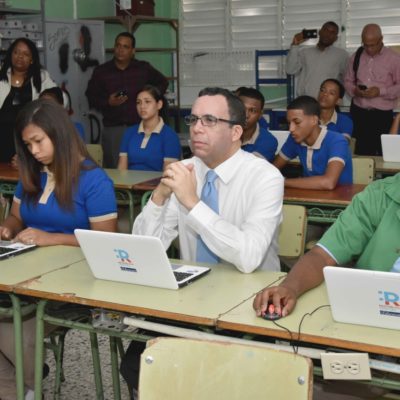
column 55, row 93
column 251, row 93
column 69, row 151
column 236, row 108
column 308, row 104
column 337, row 83
column 332, row 23
column 128, row 35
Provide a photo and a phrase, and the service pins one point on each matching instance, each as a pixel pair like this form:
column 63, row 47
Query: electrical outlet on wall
column 345, row 366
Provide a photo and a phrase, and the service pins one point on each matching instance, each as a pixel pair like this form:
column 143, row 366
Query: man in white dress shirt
column 244, row 232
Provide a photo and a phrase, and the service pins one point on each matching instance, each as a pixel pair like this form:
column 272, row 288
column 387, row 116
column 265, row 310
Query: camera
column 122, row 93
column 309, row 33
column 362, row 87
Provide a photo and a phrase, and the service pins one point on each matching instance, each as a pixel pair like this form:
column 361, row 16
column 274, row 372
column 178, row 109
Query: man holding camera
column 112, row 90
column 312, row 65
column 372, row 79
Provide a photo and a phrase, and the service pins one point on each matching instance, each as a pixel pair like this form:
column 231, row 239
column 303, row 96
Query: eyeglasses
column 206, row 120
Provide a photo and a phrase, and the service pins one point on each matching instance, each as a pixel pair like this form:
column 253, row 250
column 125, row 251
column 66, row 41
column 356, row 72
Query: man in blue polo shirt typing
column 324, row 154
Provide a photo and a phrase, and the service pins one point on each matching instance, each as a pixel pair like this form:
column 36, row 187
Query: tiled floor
column 78, row 370
column 79, row 380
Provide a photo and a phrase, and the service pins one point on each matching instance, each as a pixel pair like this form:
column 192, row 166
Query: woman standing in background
column 22, row 78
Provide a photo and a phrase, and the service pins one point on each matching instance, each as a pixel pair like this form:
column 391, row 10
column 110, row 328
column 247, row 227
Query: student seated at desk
column 256, row 139
column 61, row 189
column 150, row 145
column 324, row 155
column 395, row 128
column 330, row 95
column 56, row 94
column 367, row 231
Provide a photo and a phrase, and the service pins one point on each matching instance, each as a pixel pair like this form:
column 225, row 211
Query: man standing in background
column 113, row 89
column 373, row 81
column 312, row 65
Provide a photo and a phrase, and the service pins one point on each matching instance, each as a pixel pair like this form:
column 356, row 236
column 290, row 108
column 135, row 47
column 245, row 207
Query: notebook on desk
column 364, row 297
column 141, row 260
column 11, row 249
column 390, row 148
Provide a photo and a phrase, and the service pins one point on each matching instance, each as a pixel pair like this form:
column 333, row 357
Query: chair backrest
column 281, row 137
column 352, row 145
column 96, row 151
column 363, row 170
column 4, row 208
column 292, row 231
column 181, row 369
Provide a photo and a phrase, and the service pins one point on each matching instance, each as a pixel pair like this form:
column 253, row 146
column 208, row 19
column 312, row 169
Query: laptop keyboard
column 5, row 250
column 180, row 276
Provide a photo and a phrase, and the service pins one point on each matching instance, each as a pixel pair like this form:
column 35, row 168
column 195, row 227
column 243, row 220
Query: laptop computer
column 364, row 297
column 141, row 260
column 11, row 249
column 390, row 148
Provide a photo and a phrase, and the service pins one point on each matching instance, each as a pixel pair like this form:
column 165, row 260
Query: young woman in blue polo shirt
column 61, row 188
column 330, row 95
column 152, row 144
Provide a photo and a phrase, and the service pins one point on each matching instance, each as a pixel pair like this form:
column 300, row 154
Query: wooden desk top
column 201, row 302
column 36, row 263
column 128, row 179
column 341, row 196
column 8, row 173
column 318, row 328
column 148, row 185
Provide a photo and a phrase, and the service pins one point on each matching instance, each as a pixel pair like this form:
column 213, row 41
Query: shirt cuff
column 383, row 91
column 200, row 216
column 327, row 251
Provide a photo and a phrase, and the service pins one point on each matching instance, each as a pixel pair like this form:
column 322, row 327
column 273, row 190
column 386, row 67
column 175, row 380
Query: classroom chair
column 4, row 208
column 363, row 170
column 181, row 369
column 96, row 152
column 352, row 145
column 292, row 231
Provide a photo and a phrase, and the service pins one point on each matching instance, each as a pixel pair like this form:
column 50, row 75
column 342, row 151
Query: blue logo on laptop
column 389, row 303
column 124, row 261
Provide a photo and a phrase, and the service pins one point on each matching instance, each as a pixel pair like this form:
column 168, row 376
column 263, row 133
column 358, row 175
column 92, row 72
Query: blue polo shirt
column 340, row 123
column 262, row 143
column 93, row 201
column 329, row 146
column 148, row 152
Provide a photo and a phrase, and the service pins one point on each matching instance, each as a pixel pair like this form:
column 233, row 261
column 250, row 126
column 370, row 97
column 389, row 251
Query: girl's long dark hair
column 33, row 70
column 69, row 151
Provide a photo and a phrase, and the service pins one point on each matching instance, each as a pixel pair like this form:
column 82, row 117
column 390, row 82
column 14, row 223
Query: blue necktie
column 209, row 196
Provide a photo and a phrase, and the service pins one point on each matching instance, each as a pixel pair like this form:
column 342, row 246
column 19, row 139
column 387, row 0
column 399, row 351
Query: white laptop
column 391, row 148
column 364, row 297
column 281, row 137
column 11, row 249
column 141, row 260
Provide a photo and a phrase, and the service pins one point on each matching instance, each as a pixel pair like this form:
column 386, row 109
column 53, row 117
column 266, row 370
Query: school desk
column 200, row 303
column 25, row 267
column 125, row 183
column 323, row 205
column 316, row 329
